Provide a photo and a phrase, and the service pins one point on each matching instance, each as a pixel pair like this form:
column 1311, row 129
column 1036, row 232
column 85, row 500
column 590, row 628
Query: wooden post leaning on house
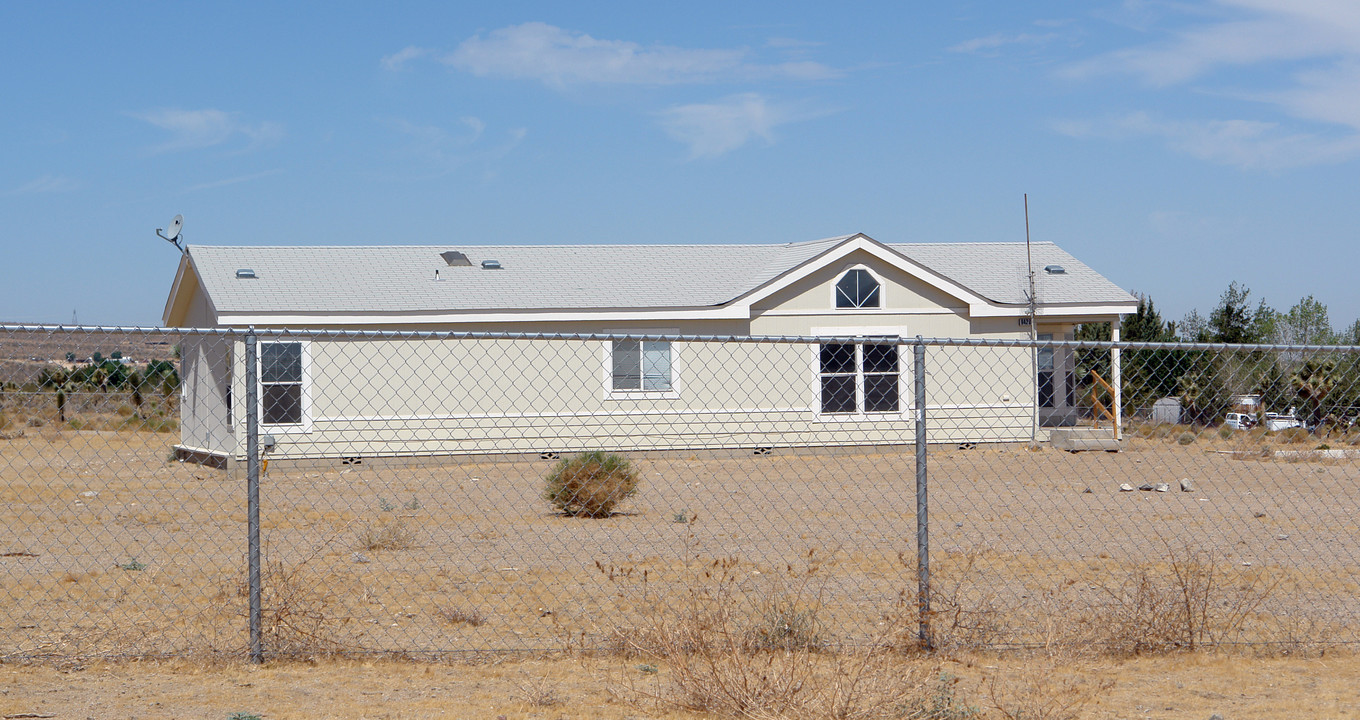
column 1097, row 407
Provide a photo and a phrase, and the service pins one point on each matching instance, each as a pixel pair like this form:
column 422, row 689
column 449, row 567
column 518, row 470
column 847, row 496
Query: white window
column 284, row 391
column 641, row 365
column 857, row 288
column 859, row 378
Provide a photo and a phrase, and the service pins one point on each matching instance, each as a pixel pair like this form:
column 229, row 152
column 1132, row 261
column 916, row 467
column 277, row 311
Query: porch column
column 1115, row 379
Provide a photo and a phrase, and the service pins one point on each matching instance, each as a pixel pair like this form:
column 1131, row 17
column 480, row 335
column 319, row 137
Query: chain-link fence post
column 922, row 487
column 253, row 493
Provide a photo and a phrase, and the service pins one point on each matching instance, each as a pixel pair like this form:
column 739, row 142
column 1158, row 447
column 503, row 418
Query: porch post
column 1115, row 372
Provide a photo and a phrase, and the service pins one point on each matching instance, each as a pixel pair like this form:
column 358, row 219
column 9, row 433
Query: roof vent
column 491, row 264
column 456, row 259
column 1054, row 270
column 245, row 274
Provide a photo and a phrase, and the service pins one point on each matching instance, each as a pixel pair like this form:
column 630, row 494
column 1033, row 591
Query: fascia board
column 863, row 242
column 174, row 291
column 1049, row 310
column 371, row 319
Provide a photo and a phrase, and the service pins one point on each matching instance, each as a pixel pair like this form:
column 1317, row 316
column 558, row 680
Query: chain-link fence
column 171, row 492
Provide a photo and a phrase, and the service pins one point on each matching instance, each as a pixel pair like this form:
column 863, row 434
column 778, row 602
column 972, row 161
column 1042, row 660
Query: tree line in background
column 104, row 375
column 1322, row 386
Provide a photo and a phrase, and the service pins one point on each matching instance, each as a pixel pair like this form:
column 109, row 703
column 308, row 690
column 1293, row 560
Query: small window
column 643, row 365
column 1045, row 378
column 858, row 289
column 281, row 383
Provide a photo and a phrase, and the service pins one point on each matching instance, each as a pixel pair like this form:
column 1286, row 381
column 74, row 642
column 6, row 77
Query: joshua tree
column 1313, row 382
column 58, row 379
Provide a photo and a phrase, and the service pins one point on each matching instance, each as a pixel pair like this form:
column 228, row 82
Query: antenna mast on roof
column 1029, row 262
column 1033, row 332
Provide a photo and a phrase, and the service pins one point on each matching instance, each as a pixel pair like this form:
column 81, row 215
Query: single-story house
column 345, row 397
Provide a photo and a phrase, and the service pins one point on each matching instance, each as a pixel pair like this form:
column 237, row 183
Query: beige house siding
column 452, row 396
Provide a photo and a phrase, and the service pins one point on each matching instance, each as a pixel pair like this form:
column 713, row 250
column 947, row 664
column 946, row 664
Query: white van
column 1240, row 421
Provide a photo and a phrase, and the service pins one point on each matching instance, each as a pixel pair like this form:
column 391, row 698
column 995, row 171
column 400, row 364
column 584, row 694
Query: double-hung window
column 641, row 365
column 282, row 376
column 859, row 378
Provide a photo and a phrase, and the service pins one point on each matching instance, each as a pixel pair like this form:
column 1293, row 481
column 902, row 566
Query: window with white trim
column 281, row 384
column 858, row 289
column 641, row 365
column 859, row 378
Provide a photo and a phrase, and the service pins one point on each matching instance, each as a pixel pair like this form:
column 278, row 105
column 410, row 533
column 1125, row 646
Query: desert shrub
column 1192, row 600
column 1225, row 432
column 1185, row 438
column 1293, row 436
column 590, row 484
column 390, row 534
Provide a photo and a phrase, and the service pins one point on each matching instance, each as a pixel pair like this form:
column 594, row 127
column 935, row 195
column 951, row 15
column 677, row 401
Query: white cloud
column 46, row 184
column 445, row 150
column 561, row 58
column 996, row 41
column 398, row 60
column 713, row 129
column 1243, row 143
column 195, row 129
column 1312, row 45
column 232, row 180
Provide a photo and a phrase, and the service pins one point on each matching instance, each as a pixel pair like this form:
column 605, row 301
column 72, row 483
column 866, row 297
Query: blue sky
column 1174, row 146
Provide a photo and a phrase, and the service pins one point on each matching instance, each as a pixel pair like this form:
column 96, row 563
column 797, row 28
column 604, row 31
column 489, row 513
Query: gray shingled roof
column 397, row 279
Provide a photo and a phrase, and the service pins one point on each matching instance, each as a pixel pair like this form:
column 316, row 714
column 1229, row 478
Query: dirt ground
column 1177, row 686
column 110, row 551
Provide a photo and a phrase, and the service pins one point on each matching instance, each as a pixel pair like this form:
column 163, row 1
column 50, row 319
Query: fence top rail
column 19, row 328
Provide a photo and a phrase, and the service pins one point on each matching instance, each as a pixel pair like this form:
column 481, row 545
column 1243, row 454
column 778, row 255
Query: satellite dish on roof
column 171, row 235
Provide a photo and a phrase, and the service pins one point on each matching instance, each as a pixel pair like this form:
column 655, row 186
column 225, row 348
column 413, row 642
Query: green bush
column 1225, row 432
column 590, row 484
column 1186, row 438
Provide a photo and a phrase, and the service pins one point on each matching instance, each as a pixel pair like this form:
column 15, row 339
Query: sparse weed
column 297, row 618
column 387, row 534
column 245, row 716
column 413, row 505
column 1294, row 436
column 132, row 565
column 461, row 616
column 385, row 506
column 539, row 692
column 1185, row 438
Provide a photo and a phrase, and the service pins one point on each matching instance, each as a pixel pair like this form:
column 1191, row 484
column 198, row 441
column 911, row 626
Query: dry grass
column 461, row 616
column 1191, row 600
column 386, row 534
column 299, row 615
